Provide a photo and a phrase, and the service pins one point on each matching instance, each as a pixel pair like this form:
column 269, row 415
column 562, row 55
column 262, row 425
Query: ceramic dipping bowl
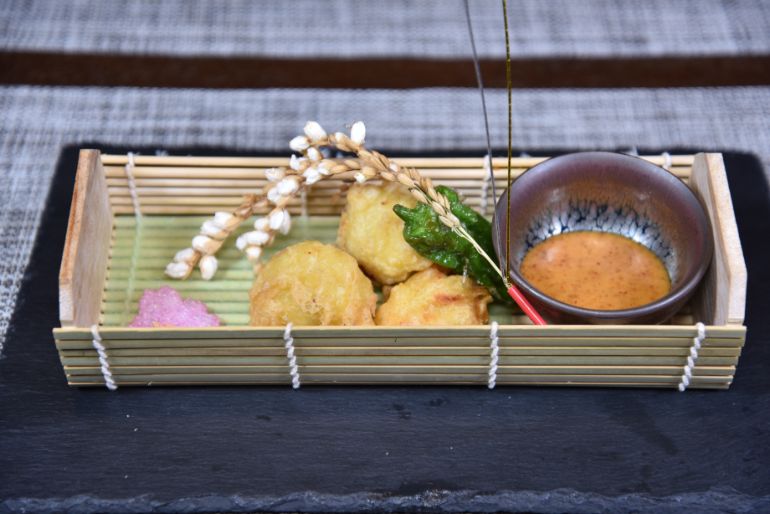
column 607, row 192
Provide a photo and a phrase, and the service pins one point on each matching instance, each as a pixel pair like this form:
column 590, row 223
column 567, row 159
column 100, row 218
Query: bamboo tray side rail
column 109, row 259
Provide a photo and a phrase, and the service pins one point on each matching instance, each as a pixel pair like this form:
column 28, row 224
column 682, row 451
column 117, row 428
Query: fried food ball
column 312, row 283
column 372, row 233
column 431, row 297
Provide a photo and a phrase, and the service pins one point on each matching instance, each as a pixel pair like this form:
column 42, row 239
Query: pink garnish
column 165, row 307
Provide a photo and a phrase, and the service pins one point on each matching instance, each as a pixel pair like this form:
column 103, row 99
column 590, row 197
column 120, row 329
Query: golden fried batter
column 431, row 297
column 311, row 283
column 372, row 233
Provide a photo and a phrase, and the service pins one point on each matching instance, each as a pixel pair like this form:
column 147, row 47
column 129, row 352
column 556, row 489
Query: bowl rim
column 671, row 299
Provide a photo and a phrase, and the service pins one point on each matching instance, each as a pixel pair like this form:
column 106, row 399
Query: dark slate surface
column 379, row 448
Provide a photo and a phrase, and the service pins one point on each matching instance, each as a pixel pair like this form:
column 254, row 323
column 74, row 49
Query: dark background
column 379, row 448
column 82, row 69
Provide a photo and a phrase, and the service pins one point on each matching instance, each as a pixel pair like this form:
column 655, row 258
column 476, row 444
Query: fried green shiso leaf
column 432, row 239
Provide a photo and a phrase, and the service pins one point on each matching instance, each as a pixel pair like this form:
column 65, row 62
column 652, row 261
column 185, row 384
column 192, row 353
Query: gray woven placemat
column 426, row 28
column 37, row 122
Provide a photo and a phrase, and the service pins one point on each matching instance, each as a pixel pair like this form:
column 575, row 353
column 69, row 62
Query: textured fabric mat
column 38, row 122
column 429, row 28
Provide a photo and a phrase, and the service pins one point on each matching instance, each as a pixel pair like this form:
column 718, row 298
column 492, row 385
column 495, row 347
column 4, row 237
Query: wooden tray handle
column 722, row 296
column 86, row 248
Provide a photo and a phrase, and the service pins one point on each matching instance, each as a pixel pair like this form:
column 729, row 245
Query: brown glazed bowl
column 607, row 192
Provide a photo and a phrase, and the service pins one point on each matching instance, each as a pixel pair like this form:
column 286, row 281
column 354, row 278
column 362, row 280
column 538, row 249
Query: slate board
column 379, row 448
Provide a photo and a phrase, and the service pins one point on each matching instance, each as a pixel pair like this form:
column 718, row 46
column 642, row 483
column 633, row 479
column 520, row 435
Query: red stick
column 522, row 302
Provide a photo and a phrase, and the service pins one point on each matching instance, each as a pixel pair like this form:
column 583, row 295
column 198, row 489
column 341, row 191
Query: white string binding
column 486, row 179
column 494, row 351
column 288, row 341
column 129, row 167
column 697, row 341
column 102, row 352
column 303, row 203
column 666, row 160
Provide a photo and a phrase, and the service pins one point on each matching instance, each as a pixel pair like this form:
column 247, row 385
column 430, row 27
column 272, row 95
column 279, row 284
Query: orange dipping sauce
column 596, row 270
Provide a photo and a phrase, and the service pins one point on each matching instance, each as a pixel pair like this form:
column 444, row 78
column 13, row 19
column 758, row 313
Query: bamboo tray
column 108, row 261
